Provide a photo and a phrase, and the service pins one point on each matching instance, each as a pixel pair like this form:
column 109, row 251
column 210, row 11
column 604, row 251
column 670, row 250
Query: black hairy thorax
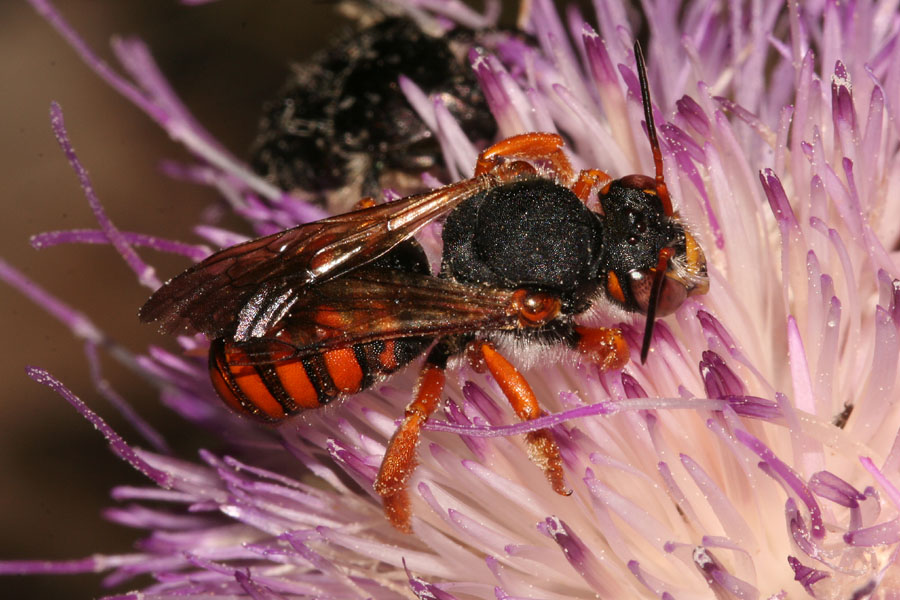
column 532, row 233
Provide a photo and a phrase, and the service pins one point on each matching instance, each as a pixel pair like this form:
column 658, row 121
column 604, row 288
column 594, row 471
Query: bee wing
column 245, row 289
column 373, row 304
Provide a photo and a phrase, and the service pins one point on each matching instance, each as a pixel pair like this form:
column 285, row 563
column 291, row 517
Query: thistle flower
column 755, row 455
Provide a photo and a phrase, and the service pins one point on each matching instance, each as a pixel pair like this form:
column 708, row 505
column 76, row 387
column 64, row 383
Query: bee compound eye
column 641, row 284
column 536, row 308
column 671, row 295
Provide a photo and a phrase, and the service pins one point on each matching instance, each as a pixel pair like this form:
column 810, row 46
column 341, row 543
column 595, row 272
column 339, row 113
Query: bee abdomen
column 274, row 390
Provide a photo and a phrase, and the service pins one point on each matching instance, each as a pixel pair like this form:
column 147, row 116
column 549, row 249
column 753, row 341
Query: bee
column 315, row 313
column 342, row 128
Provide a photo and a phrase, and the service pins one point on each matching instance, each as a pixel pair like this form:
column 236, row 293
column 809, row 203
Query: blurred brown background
column 224, row 60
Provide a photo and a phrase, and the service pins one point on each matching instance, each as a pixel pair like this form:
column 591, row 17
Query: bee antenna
column 659, row 277
column 661, row 190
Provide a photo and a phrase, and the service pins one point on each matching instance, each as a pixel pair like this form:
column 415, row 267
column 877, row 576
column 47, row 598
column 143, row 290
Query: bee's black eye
column 632, row 240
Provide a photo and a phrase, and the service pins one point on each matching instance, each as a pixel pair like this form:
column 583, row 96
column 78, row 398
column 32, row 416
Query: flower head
column 754, row 455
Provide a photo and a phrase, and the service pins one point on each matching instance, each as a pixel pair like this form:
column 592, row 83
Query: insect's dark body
column 533, row 233
column 272, row 390
column 529, row 234
column 342, row 121
column 325, row 309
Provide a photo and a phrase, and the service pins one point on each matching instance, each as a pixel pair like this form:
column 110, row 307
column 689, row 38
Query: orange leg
column 542, row 448
column 399, row 460
column 588, row 180
column 531, row 146
column 605, row 346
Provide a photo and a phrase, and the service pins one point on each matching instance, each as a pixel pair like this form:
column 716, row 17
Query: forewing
column 372, row 304
column 243, row 290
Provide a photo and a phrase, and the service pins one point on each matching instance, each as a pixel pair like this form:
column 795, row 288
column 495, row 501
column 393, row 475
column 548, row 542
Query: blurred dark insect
column 341, row 127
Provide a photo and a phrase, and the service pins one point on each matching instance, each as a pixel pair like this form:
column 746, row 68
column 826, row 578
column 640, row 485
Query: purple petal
column 419, row 101
column 719, row 380
column 119, row 447
column 786, row 474
column 576, row 552
column 807, row 576
column 505, row 99
column 714, row 329
column 828, row 485
column 683, row 144
column 256, row 590
column 554, row 39
column 456, row 417
column 746, row 116
column 882, row 372
column 882, row 534
column 693, row 114
column 601, row 408
column 356, row 465
column 804, row 399
column 601, row 66
column 778, row 200
column 676, row 492
column 632, row 388
column 459, row 153
column 648, row 581
column 461, row 13
column 137, row 60
column 148, row 432
column 888, row 485
column 146, row 274
column 424, row 590
column 476, row 398
column 145, row 518
column 94, row 564
column 49, row 239
column 718, row 578
column 76, row 321
column 754, row 407
column 843, row 113
column 726, row 512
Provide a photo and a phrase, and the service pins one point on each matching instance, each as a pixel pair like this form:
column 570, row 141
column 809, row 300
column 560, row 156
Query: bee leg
column 542, row 448
column 533, row 146
column 603, row 345
column 588, row 179
column 399, row 460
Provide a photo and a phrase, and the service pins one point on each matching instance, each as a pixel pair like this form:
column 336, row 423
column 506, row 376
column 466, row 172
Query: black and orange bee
column 322, row 311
